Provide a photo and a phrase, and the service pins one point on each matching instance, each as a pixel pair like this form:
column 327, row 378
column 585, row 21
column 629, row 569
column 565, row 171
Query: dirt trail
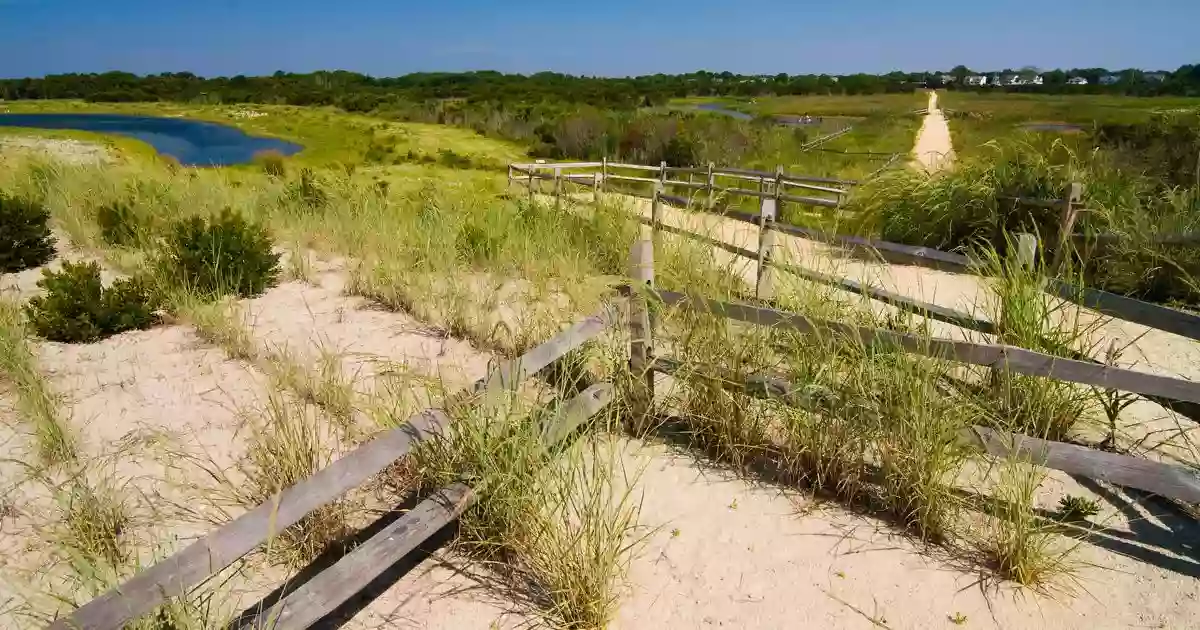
column 933, row 150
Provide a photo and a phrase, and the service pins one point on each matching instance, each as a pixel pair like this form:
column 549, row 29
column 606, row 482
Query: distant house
column 1077, row 81
column 1010, row 79
column 1036, row 80
column 1110, row 79
column 948, row 78
column 1155, row 77
column 977, row 80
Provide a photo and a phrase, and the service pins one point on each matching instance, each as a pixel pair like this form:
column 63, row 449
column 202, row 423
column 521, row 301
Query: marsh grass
column 1028, row 317
column 556, row 524
column 1021, row 545
column 37, row 403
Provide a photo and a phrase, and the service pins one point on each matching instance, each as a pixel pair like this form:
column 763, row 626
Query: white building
column 1077, row 81
column 977, row 80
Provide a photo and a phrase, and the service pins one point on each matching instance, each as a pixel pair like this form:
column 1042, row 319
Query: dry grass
column 37, row 403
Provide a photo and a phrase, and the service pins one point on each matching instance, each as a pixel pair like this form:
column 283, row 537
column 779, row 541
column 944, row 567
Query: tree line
column 359, row 92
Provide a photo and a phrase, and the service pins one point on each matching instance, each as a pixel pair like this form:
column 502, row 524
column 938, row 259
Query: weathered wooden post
column 764, row 287
column 557, row 188
column 597, row 185
column 656, row 212
column 641, row 332
column 603, row 172
column 1066, row 225
column 662, row 173
column 711, row 185
column 508, row 186
column 531, row 184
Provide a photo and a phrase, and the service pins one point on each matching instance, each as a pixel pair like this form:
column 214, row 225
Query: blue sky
column 615, row 37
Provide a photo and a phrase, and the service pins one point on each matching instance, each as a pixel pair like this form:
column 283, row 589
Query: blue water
column 192, row 142
column 715, row 107
column 787, row 121
column 1051, row 127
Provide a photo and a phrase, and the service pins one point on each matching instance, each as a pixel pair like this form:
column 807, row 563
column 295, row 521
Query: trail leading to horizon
column 933, row 150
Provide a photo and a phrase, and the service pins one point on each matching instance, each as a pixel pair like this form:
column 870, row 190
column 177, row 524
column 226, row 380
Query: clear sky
column 613, row 37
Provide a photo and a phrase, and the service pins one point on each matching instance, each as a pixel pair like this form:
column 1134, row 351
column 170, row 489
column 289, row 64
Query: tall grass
column 37, row 403
column 554, row 523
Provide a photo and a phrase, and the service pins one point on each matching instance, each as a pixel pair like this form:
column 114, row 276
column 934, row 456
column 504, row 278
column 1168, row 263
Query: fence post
column 557, row 188
column 662, row 172
column 764, row 286
column 711, row 185
column 531, row 184
column 603, row 172
column 508, row 186
column 641, row 332
column 597, row 184
column 1066, row 225
column 656, row 212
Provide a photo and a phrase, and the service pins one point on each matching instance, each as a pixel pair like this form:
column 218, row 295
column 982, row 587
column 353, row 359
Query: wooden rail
column 1001, row 357
column 1166, row 480
column 321, row 595
column 179, row 573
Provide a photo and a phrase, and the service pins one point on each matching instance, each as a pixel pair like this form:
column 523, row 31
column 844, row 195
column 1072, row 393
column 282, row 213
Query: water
column 1051, row 126
column 787, row 121
column 715, row 107
column 192, row 142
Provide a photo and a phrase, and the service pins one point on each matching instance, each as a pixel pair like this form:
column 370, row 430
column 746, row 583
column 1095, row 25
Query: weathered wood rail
column 178, row 574
column 1167, row 480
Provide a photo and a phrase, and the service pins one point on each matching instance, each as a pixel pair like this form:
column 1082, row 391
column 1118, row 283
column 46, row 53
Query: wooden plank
column 821, row 180
column 811, row 201
column 636, row 167
column 1167, row 480
column 176, row 575
column 1171, row 320
column 551, row 165
column 695, row 185
column 630, row 178
column 510, row 373
column 894, row 252
column 687, row 169
column 1192, row 238
column 924, row 309
column 324, row 593
column 826, row 138
column 641, row 329
column 826, row 189
column 1010, row 358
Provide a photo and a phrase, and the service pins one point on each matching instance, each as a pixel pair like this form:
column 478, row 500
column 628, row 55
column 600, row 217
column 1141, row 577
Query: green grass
column 976, row 119
column 37, row 403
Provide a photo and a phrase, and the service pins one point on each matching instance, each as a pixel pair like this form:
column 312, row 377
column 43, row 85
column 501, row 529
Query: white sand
column 933, row 150
column 65, row 150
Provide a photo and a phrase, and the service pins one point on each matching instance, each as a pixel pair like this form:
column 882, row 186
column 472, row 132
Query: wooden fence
column 307, row 604
column 1167, row 480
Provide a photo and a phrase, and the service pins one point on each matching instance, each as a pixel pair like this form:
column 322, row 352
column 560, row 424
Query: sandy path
column 933, row 150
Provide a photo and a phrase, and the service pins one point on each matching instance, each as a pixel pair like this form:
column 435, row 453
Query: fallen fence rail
column 187, row 568
column 1166, row 480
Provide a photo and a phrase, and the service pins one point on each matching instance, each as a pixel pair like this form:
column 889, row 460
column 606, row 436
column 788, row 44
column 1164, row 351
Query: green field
column 977, row 118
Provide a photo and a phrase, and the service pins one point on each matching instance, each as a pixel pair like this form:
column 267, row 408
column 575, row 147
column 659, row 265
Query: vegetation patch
column 25, row 239
column 221, row 255
column 78, row 308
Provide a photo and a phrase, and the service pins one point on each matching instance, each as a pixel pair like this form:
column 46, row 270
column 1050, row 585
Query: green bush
column 272, row 163
column 222, row 255
column 25, row 239
column 119, row 223
column 77, row 308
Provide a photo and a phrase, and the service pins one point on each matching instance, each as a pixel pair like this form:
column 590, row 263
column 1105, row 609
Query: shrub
column 25, row 239
column 77, row 308
column 119, row 223
column 225, row 254
column 271, row 162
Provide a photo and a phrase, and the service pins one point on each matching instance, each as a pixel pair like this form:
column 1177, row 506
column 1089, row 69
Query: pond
column 785, row 120
column 1052, row 126
column 192, row 142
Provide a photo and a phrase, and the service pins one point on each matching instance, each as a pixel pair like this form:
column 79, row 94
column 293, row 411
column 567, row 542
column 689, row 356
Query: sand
column 65, row 150
column 933, row 150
